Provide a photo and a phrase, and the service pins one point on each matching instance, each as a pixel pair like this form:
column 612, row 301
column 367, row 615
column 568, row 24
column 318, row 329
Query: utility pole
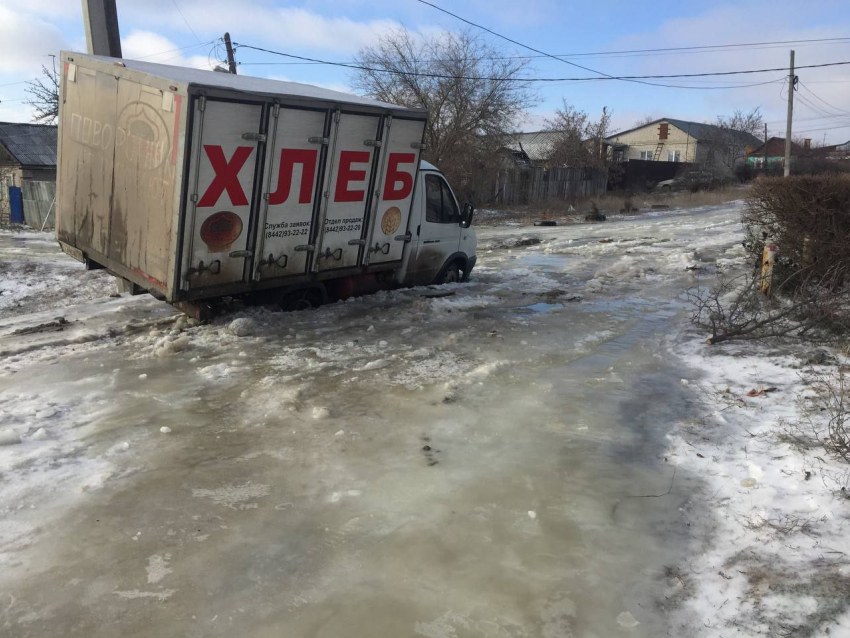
column 792, row 82
column 231, row 61
column 100, row 18
column 765, row 149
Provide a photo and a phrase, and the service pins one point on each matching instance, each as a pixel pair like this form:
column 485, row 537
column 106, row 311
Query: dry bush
column 735, row 308
column 833, row 397
column 807, row 219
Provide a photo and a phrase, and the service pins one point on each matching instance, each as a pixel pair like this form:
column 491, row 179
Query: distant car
column 692, row 181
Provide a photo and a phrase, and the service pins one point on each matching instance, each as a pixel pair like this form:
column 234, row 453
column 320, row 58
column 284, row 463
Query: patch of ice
column 321, row 412
column 242, row 327
column 157, row 568
column 234, row 495
column 9, row 437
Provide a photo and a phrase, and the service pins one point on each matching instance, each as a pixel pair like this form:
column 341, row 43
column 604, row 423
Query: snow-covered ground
column 519, row 458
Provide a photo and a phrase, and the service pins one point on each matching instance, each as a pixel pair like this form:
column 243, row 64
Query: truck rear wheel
column 304, row 299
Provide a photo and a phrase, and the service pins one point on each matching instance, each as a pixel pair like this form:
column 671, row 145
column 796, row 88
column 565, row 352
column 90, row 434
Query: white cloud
column 252, row 21
column 26, row 42
column 729, row 24
column 153, row 47
column 49, row 8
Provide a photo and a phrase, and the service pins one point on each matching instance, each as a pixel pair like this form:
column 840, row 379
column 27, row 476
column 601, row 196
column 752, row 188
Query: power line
column 696, row 47
column 709, row 48
column 362, row 67
column 524, row 46
column 820, row 99
column 174, row 2
column 828, row 128
column 188, row 46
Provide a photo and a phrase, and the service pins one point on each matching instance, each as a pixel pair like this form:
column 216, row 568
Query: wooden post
column 767, row 262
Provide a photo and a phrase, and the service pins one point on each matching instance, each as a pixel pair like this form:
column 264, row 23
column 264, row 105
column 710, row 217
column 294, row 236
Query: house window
column 646, row 155
column 674, row 156
column 663, row 130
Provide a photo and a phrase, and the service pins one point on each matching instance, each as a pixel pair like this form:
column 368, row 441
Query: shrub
column 807, row 219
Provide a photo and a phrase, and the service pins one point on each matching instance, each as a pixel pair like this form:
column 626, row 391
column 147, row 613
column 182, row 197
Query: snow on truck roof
column 243, row 83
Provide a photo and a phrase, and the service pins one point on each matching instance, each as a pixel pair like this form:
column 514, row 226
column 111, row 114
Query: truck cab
column 442, row 245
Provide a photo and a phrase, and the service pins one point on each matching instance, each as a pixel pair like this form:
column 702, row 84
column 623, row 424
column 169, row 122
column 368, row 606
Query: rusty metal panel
column 146, row 177
column 85, row 171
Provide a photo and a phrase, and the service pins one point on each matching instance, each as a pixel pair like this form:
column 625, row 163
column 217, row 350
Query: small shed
column 27, row 172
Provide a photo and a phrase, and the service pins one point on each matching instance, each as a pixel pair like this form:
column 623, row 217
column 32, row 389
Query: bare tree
column 470, row 91
column 646, row 119
column 730, row 136
column 597, row 132
column 578, row 139
column 44, row 96
column 569, row 126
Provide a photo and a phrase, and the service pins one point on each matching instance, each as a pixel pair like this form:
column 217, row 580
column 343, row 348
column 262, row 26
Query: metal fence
column 38, row 201
column 535, row 184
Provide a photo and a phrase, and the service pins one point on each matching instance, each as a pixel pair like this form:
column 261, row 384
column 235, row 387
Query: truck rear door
column 348, row 179
column 297, row 138
column 402, row 142
column 224, row 162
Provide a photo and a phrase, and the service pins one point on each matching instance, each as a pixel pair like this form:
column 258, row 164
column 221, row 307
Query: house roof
column 776, row 148
column 697, row 130
column 244, row 83
column 30, row 144
column 537, row 145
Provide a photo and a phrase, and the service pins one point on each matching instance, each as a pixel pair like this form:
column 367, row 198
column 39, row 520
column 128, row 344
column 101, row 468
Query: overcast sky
column 31, row 30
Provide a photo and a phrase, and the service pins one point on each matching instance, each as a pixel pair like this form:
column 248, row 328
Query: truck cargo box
column 196, row 184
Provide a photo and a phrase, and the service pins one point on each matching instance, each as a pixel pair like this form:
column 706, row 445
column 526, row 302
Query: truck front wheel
column 450, row 275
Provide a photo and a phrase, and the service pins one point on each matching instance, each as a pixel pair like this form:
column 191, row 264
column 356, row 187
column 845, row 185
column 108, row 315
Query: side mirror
column 466, row 216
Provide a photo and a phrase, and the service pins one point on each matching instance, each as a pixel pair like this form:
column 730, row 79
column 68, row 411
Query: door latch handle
column 336, row 255
column 280, row 262
column 305, row 248
column 405, row 238
column 356, row 242
column 378, row 248
column 254, row 137
column 318, row 140
column 241, row 253
column 214, row 268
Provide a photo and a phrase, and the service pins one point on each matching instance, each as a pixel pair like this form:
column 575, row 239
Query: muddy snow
column 548, row 451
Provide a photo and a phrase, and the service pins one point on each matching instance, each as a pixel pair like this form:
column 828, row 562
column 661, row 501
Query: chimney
column 807, row 143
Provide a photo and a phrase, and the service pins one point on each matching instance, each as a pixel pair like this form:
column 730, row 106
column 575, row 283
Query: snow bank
column 775, row 502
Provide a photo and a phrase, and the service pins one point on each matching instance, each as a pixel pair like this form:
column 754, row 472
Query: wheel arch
column 460, row 258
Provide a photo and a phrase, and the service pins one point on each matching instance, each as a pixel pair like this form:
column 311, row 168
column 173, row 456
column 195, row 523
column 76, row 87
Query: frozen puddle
column 472, row 465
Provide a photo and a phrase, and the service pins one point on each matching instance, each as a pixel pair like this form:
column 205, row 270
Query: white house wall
column 646, row 139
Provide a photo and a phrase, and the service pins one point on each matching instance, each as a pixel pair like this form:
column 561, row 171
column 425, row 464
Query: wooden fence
column 535, row 184
column 38, row 201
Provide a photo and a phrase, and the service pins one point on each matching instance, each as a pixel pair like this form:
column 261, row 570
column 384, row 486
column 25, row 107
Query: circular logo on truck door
column 391, row 220
column 221, row 229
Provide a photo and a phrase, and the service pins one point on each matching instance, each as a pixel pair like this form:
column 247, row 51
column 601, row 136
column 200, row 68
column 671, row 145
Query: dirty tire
column 546, row 222
column 450, row 275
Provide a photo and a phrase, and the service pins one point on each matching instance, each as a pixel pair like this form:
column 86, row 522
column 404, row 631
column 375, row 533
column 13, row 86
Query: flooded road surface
column 489, row 463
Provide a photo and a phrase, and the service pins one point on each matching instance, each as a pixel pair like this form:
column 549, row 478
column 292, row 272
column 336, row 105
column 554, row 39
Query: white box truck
column 194, row 185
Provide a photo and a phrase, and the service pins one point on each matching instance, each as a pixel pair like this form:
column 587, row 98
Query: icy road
column 484, row 464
